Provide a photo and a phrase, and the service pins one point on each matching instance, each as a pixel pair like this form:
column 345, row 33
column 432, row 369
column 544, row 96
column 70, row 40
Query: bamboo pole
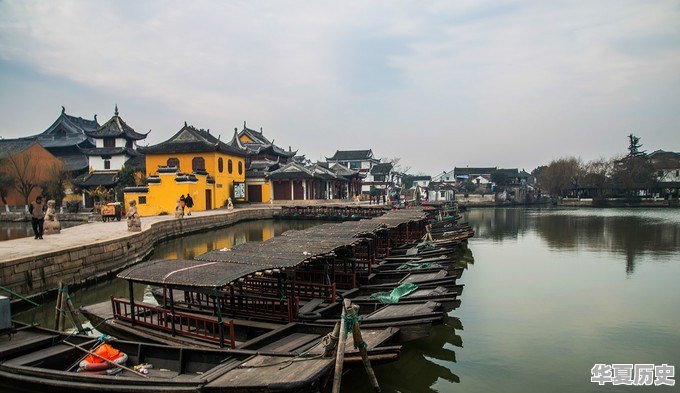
column 340, row 355
column 105, row 359
column 57, row 307
column 356, row 335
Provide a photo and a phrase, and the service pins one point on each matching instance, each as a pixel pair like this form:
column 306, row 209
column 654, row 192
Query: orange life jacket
column 106, row 351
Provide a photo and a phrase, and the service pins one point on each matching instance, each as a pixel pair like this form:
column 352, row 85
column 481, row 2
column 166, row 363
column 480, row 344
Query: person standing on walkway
column 189, row 201
column 182, row 203
column 37, row 210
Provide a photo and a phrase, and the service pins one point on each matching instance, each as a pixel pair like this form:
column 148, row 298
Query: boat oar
column 105, row 359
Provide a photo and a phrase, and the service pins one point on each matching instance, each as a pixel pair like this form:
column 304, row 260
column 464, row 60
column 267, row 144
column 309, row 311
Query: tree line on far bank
column 622, row 176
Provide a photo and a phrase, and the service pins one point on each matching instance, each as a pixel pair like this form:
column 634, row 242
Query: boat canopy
column 218, row 268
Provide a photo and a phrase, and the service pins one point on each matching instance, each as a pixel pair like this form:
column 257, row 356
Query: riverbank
column 617, row 202
column 95, row 250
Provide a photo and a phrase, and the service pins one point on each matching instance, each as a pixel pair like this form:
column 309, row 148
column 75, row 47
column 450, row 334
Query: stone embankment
column 87, row 252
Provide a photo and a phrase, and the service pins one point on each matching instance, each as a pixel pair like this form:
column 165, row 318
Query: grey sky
column 440, row 84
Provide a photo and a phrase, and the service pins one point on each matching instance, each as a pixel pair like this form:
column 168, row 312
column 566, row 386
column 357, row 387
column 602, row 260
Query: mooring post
column 133, row 317
column 57, row 307
column 361, row 345
column 72, row 311
column 340, row 355
column 330, row 348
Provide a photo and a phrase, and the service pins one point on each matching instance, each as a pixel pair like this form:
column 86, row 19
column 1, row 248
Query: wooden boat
column 39, row 360
column 447, row 297
column 150, row 327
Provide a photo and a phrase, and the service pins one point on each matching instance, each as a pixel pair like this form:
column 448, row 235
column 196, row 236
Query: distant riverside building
column 262, row 158
column 360, row 160
column 380, row 177
column 667, row 167
column 192, row 162
column 115, row 145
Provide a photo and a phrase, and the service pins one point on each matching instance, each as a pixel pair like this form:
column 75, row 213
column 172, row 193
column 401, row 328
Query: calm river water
column 552, row 292
column 548, row 294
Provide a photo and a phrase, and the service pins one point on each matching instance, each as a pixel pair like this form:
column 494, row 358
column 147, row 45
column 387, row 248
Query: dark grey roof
column 351, row 155
column 661, row 159
column 416, row 178
column 342, row 170
column 66, row 130
column 75, row 162
column 256, row 136
column 292, row 170
column 116, row 128
column 473, row 171
column 382, row 168
column 94, row 179
column 10, row 147
column 260, row 144
column 192, row 140
column 110, row 151
column 509, row 172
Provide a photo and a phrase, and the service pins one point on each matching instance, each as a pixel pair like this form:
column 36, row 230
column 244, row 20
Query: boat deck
column 274, row 373
column 22, row 340
column 400, row 311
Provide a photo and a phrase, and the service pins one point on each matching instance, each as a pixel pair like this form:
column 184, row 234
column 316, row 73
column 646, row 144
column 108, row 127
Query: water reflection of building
column 629, row 235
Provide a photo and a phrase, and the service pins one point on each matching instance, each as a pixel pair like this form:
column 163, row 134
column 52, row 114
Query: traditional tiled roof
column 467, row 171
column 661, row 159
column 98, row 178
column 66, row 130
column 75, row 162
column 382, row 168
column 351, row 155
column 509, row 172
column 259, row 145
column 192, row 140
column 116, row 128
column 110, row 151
column 342, row 170
column 10, row 147
column 292, row 170
column 421, row 177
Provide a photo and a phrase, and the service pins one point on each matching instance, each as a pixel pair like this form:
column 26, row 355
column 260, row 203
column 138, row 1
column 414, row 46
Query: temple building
column 262, row 158
column 192, row 162
column 64, row 138
column 115, row 146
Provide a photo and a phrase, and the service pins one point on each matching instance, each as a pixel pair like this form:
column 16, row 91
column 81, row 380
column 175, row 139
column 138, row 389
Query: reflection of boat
column 38, row 360
column 422, row 364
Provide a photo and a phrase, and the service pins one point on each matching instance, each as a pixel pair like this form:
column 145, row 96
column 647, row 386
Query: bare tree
column 597, row 174
column 6, row 184
column 561, row 175
column 23, row 168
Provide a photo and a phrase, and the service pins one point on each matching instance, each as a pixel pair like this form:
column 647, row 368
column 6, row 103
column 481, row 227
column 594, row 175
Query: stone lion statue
column 134, row 222
column 52, row 224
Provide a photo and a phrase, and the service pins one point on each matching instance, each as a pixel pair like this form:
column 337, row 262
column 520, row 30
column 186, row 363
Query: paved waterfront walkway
column 90, row 233
column 95, row 232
